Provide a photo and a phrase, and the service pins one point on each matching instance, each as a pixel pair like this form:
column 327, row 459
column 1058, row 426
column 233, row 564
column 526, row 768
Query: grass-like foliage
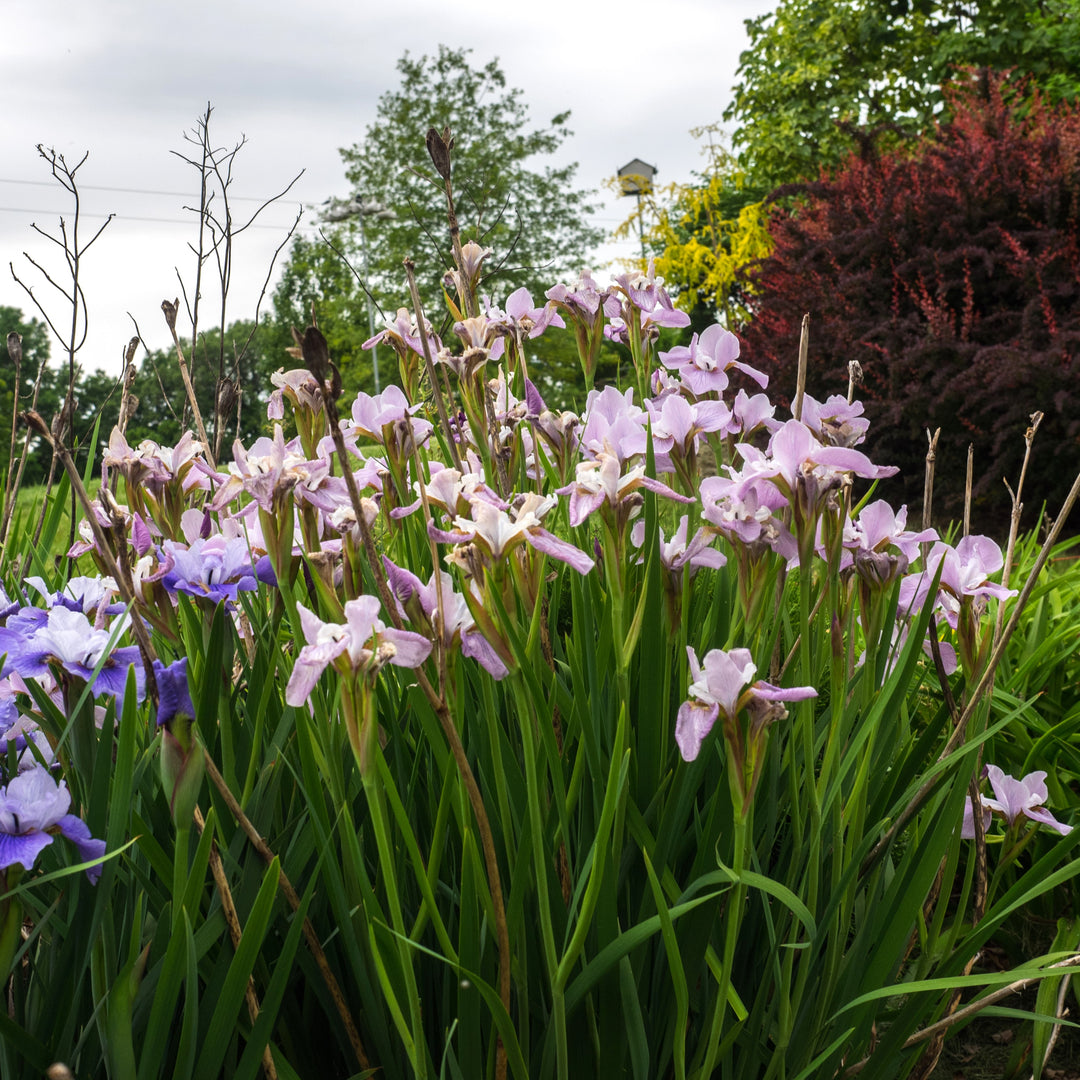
column 444, row 735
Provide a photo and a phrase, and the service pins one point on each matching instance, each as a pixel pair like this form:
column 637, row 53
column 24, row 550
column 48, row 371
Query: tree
column 530, row 213
column 952, row 274
column 817, row 70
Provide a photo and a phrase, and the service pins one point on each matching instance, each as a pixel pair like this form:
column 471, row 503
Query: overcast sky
column 125, row 79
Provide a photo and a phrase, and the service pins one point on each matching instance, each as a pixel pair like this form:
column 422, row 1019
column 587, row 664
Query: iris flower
column 68, row 639
column 33, row 809
column 1013, row 798
column 361, row 643
column 722, row 687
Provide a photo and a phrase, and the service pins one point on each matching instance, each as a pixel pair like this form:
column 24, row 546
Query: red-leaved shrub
column 951, row 272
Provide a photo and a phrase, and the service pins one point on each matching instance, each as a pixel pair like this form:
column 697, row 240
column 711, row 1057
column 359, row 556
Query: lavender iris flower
column 703, row 365
column 68, row 639
column 496, row 532
column 1013, row 798
column 419, row 603
column 33, row 808
column 215, row 569
column 174, row 697
column 722, row 687
column 361, row 643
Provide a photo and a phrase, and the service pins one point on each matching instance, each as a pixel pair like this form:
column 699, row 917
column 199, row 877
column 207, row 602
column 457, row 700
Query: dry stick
column 15, row 353
column 798, row 638
column 967, row 493
column 800, row 382
column 855, row 376
column 775, row 667
column 928, row 483
column 170, row 320
column 10, row 507
column 316, row 356
column 429, row 364
column 126, row 397
column 1055, row 1032
column 440, row 607
column 439, row 147
column 260, row 845
column 236, row 933
column 929, row 1058
column 969, row 1011
column 1017, row 510
column 984, row 681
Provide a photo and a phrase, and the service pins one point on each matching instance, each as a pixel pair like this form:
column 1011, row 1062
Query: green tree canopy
column 817, row 69
column 507, row 198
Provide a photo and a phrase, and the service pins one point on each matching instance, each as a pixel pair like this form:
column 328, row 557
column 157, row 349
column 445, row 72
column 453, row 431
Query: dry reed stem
column 928, row 483
column 316, row 356
column 1017, row 510
column 170, row 319
column 967, row 489
column 800, row 380
column 147, row 653
column 968, row 1011
column 429, row 363
column 984, row 681
column 855, row 376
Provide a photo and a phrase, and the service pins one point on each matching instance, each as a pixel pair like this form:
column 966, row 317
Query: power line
column 125, row 190
column 127, row 217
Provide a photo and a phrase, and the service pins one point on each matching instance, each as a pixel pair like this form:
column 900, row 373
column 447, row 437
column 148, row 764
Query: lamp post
column 635, row 178
column 357, row 208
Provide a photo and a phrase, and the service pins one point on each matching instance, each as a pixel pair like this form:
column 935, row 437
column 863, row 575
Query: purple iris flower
column 721, row 688
column 403, row 336
column 677, row 552
column 69, row 640
column 1013, row 798
column 601, row 481
column 644, row 299
column 703, row 365
column 965, row 572
column 361, row 643
column 33, row 808
column 300, row 387
column 678, row 424
column 796, row 458
column 614, row 423
column 582, row 300
column 388, row 419
column 747, row 514
column 750, row 413
column 419, row 603
column 215, row 569
column 86, row 594
column 835, row 421
column 267, row 472
column 495, row 532
column 174, row 697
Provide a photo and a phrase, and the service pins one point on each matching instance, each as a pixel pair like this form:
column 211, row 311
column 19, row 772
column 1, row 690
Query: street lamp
column 635, row 178
column 358, row 208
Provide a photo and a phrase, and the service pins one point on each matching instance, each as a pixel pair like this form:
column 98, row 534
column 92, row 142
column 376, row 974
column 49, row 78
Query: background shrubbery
column 951, row 271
